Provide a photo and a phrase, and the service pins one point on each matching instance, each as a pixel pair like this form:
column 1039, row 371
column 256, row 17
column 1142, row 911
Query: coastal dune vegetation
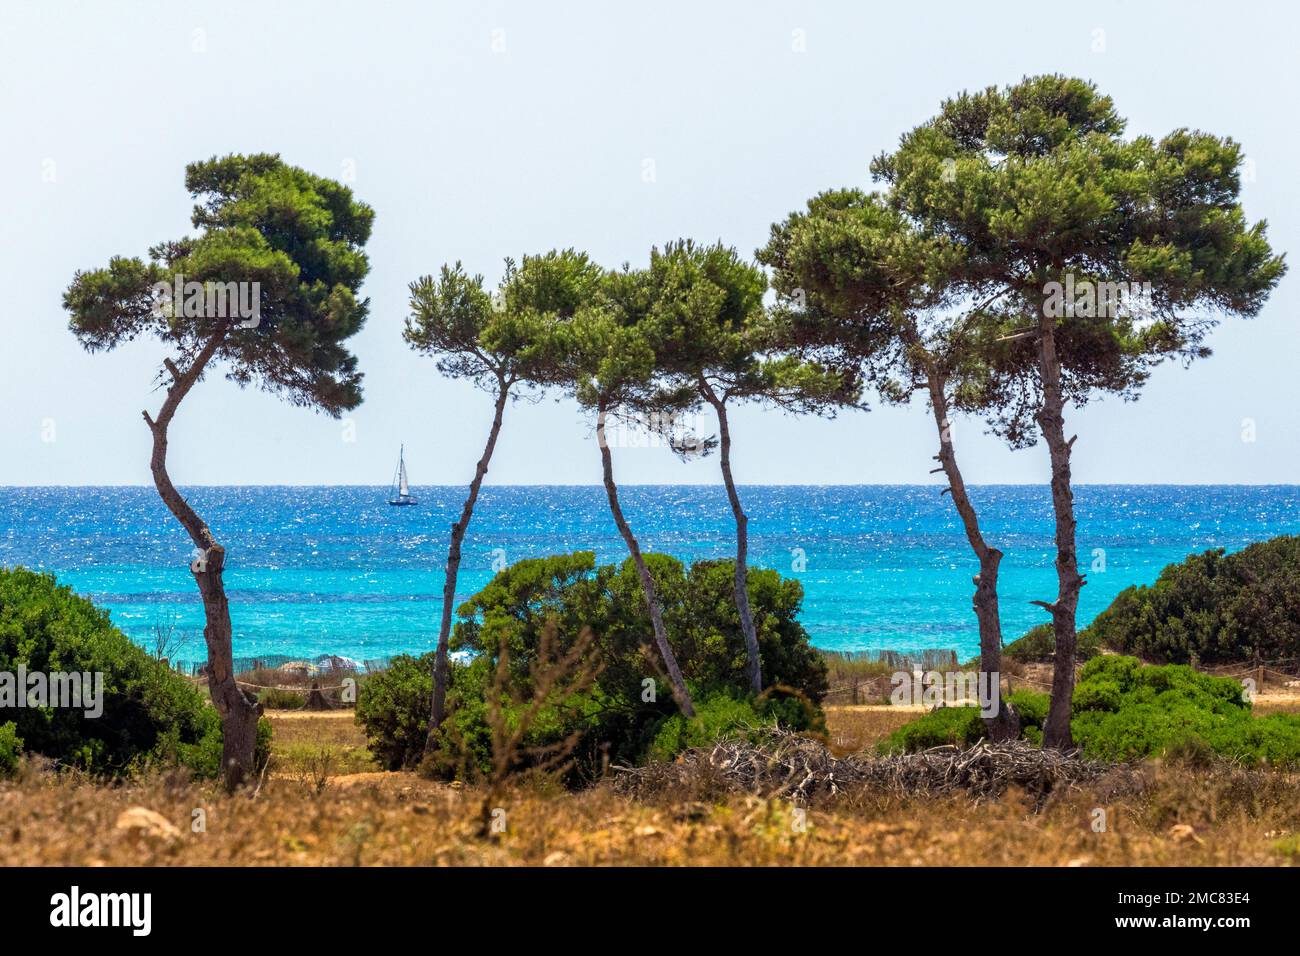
column 949, row 280
column 624, row 700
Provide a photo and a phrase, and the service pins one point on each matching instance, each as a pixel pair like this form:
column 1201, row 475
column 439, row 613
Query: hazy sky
column 484, row 130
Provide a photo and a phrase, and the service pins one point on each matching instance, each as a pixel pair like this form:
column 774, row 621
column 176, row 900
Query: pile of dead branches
column 786, row 765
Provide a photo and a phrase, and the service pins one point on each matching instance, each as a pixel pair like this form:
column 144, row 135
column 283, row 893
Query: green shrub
column 705, row 629
column 1031, row 707
column 393, row 709
column 621, row 716
column 204, row 757
column 275, row 698
column 1215, row 607
column 11, row 749
column 698, row 607
column 727, row 714
column 963, row 726
column 960, row 726
column 718, row 716
column 792, row 709
column 1035, row 646
column 1124, row 711
column 1220, row 608
column 150, row 714
column 1038, row 645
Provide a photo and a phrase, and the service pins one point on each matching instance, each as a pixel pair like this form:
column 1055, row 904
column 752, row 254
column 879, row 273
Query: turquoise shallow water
column 336, row 570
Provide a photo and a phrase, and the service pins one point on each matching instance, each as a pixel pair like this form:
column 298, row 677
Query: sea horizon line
column 701, row 484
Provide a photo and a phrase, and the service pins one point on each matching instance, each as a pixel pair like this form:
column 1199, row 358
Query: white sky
column 476, row 154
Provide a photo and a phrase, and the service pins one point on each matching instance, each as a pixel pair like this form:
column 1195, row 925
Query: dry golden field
column 321, row 803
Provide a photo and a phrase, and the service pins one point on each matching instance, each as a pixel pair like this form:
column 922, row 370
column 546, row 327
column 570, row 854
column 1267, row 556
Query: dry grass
column 399, row 819
column 1274, row 703
column 305, row 739
column 1180, row 816
column 855, row 729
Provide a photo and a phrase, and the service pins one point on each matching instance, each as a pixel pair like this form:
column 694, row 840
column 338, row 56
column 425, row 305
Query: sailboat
column 402, row 487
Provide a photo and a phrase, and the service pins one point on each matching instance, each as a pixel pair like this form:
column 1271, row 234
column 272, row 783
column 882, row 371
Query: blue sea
column 336, row 570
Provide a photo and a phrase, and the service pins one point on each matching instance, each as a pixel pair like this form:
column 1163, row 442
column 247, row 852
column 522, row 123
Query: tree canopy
column 1036, row 180
column 298, row 235
column 861, row 285
column 483, row 336
column 709, row 329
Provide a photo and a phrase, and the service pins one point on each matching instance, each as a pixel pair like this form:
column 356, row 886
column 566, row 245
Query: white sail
column 403, row 488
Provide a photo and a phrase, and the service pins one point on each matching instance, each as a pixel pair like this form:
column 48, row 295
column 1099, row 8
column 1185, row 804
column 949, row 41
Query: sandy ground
column 278, row 715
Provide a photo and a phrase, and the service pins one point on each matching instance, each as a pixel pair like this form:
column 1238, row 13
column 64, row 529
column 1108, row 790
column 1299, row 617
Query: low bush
column 627, row 711
column 718, row 716
column 728, row 714
column 1038, row 646
column 276, row 698
column 1124, row 710
column 204, row 759
column 1211, row 608
column 393, row 709
column 963, row 726
column 151, row 715
column 1218, row 608
column 11, row 749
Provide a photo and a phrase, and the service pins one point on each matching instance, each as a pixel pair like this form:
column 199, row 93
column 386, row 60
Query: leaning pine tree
column 709, row 330
column 484, row 338
column 860, row 285
column 268, row 287
column 603, row 357
column 1106, row 255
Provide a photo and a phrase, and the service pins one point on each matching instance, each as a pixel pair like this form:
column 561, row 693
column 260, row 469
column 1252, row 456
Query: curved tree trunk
column 678, row 684
column 754, row 669
column 439, row 706
column 239, row 712
column 1056, row 729
column 1005, row 724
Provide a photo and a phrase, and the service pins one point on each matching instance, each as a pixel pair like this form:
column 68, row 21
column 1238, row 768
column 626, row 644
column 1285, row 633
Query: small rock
column 146, row 822
column 1182, row 832
column 557, row 858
